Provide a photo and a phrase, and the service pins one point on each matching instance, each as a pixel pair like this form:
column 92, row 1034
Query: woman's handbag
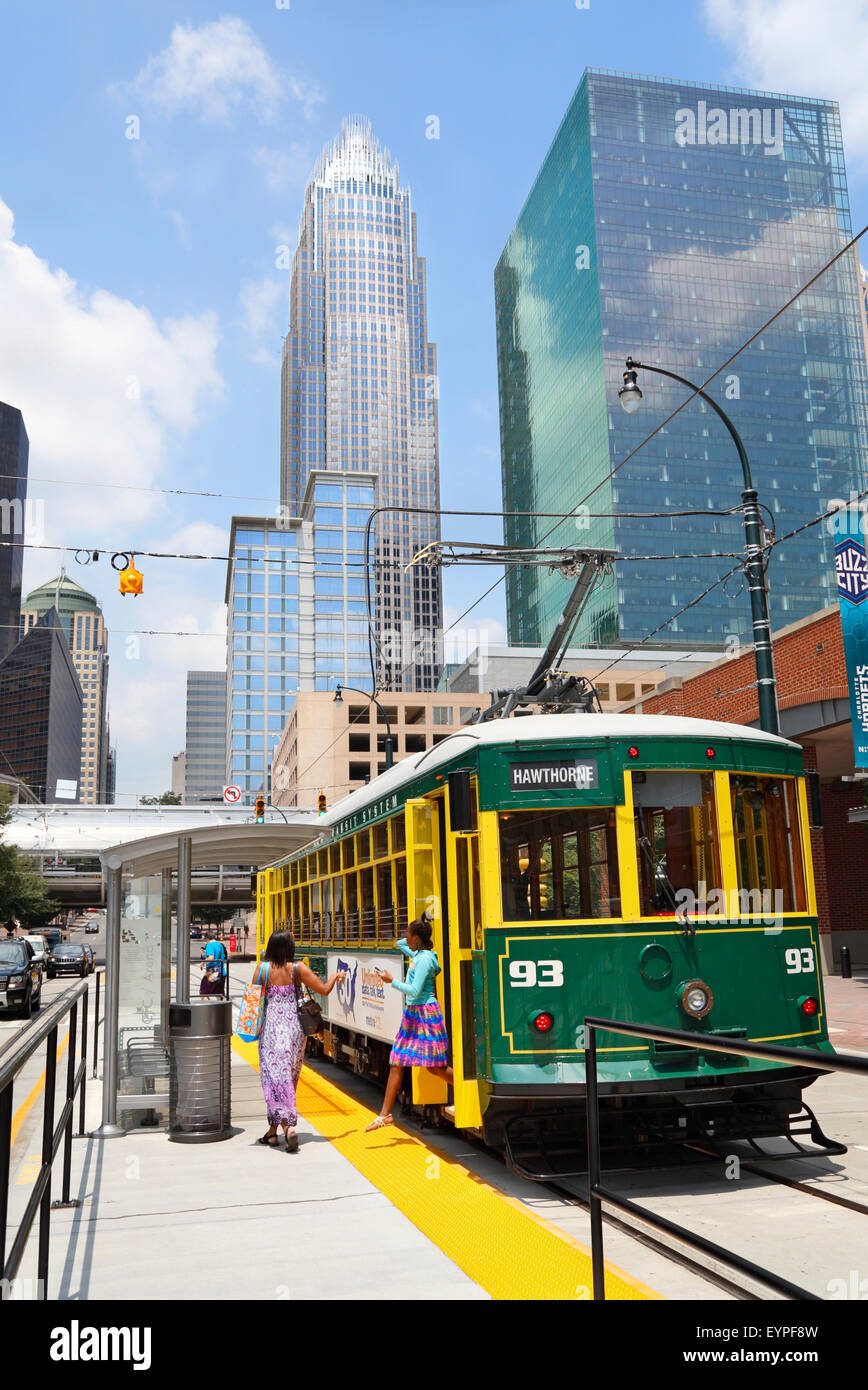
column 309, row 1012
column 252, row 1010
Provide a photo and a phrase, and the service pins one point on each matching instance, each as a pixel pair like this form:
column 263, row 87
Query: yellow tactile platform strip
column 509, row 1251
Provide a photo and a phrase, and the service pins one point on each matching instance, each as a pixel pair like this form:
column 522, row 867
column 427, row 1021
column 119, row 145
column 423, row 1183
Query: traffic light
column 130, row 578
column 321, row 803
column 260, row 810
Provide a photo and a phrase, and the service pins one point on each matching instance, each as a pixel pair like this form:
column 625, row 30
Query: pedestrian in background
column 215, row 979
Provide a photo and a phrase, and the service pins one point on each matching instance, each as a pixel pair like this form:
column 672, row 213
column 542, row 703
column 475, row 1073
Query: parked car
column 91, row 959
column 67, row 959
column 37, row 945
column 20, row 977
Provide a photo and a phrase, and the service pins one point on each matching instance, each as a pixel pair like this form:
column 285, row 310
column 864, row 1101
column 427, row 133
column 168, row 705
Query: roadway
column 28, row 1096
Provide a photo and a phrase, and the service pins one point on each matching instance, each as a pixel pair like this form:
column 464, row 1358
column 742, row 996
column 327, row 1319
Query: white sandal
column 380, row 1122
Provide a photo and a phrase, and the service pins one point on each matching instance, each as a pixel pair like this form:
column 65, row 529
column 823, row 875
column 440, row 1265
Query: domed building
column 82, row 621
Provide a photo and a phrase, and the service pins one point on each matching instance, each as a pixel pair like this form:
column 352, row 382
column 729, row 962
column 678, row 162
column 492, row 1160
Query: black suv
column 20, row 978
column 67, row 959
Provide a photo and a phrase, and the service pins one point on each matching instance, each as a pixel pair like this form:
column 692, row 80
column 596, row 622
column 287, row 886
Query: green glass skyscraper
column 669, row 220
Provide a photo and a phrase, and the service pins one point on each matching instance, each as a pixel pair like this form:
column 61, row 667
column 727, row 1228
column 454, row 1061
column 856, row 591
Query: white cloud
column 103, row 388
column 148, row 674
column 216, row 68
column 802, row 47
column 107, row 394
column 261, row 324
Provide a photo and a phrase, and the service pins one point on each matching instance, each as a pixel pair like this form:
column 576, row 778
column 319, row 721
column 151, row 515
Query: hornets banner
column 852, row 573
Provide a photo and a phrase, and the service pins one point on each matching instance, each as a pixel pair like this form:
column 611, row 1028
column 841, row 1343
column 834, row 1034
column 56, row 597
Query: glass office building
column 41, row 712
column 205, row 749
column 359, row 382
column 14, row 452
column 669, row 221
column 295, row 591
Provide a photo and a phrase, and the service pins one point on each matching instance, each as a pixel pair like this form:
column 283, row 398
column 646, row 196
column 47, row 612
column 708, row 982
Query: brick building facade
column 815, row 711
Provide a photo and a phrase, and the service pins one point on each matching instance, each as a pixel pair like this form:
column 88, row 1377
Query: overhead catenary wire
column 174, row 632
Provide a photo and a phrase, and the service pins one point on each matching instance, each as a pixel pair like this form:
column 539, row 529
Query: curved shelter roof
column 251, row 845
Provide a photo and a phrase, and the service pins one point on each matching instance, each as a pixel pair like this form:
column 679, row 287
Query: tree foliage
column 167, row 799
column 22, row 889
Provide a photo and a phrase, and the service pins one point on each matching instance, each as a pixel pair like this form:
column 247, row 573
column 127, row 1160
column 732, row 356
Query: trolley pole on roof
column 631, row 398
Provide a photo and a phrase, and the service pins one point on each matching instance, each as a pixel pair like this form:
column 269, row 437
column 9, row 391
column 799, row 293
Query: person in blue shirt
column 422, row 1039
column 215, row 966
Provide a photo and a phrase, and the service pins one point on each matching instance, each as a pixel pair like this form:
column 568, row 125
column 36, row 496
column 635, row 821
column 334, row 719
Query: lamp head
column 629, row 394
column 338, row 700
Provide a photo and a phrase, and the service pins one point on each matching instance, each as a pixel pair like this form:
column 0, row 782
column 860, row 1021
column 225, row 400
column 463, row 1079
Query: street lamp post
column 389, row 745
column 630, row 397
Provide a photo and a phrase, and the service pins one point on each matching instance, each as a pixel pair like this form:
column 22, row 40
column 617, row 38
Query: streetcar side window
column 768, row 849
column 559, row 864
column 677, row 841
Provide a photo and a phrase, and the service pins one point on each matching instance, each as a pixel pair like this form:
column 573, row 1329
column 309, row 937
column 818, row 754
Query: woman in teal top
column 421, row 1040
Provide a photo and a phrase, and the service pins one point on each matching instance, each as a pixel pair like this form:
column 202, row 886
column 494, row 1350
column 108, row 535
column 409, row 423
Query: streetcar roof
column 542, row 728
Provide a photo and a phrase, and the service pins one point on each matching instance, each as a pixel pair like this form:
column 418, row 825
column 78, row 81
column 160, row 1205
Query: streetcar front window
column 768, row 851
column 677, row 843
column 559, row 864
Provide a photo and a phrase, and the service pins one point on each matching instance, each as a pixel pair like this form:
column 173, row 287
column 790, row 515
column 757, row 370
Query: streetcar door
column 422, row 824
column 464, row 931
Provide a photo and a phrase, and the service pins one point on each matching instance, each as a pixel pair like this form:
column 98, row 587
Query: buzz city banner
column 851, row 569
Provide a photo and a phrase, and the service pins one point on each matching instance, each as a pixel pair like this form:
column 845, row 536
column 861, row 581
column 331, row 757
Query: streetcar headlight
column 696, row 998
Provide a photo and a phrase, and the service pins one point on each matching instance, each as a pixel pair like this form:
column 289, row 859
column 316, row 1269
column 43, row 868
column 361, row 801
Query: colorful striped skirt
column 421, row 1040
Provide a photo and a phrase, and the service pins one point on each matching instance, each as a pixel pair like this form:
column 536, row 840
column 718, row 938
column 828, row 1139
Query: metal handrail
column 11, row 1062
column 700, row 1042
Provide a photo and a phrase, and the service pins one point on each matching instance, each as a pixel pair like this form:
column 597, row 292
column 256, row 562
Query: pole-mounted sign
column 851, row 568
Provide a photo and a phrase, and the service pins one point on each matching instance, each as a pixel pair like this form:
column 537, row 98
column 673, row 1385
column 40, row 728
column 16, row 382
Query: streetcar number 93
column 799, row 961
column 524, row 974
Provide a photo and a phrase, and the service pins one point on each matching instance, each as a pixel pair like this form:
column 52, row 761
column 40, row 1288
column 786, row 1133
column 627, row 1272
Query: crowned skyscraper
column 359, row 387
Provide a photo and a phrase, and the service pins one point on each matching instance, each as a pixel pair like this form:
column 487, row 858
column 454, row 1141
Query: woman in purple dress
column 281, row 1041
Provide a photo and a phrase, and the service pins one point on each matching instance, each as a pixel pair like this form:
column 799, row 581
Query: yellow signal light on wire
column 130, row 578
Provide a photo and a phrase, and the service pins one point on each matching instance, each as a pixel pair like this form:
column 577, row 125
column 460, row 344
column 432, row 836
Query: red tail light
column 544, row 1022
column 809, row 1006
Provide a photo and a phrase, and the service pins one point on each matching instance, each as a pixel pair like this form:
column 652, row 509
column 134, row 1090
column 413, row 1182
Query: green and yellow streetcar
column 645, row 868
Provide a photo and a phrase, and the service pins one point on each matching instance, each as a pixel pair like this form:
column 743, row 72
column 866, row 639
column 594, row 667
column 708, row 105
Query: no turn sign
column 231, row 794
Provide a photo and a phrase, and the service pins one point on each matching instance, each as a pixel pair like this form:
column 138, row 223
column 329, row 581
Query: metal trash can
column 199, row 1080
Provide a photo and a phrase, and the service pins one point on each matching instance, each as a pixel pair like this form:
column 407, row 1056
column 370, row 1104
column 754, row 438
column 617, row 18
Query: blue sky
column 143, row 308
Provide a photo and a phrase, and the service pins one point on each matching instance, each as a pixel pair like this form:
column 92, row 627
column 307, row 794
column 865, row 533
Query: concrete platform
column 234, row 1220
column 354, row 1216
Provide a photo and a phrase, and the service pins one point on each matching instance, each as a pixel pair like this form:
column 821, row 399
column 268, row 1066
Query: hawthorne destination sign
column 563, row 772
